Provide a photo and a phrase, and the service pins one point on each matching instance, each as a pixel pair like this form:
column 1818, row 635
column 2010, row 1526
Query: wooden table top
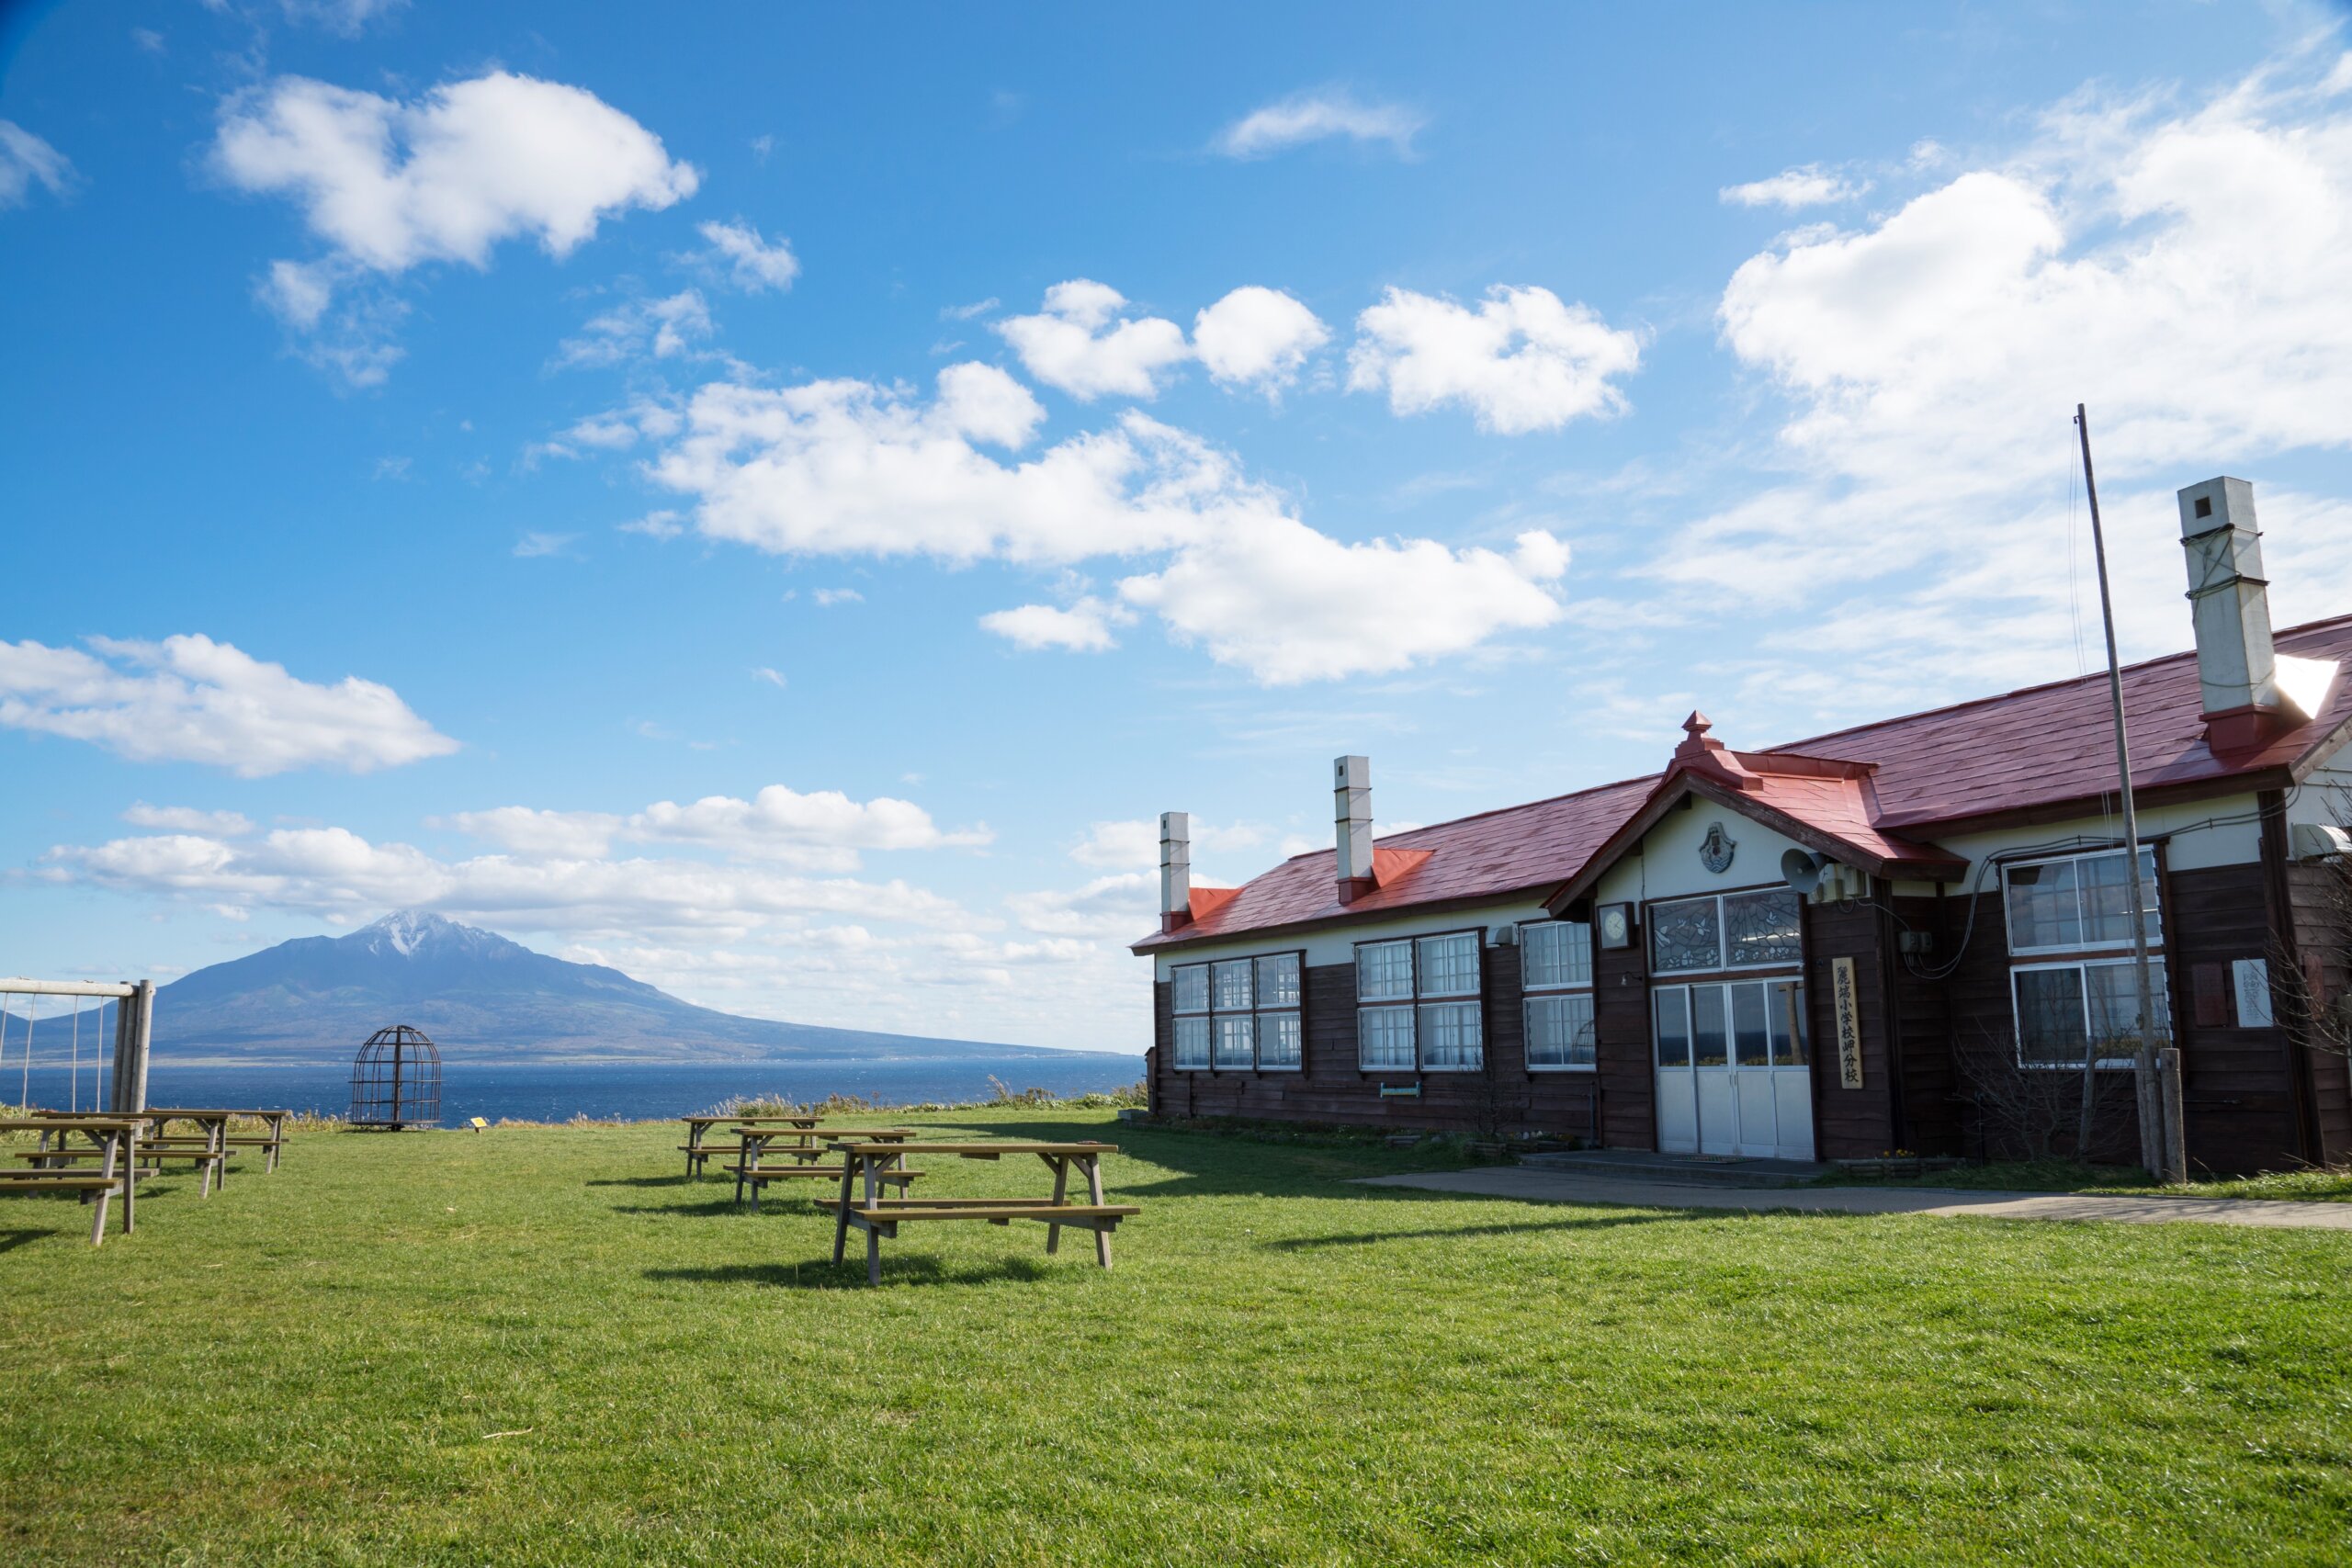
column 211, row 1111
column 981, row 1151
column 804, row 1119
column 837, row 1135
column 69, row 1122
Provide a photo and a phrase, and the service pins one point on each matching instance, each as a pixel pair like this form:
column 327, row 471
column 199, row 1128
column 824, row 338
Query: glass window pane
column 1232, row 985
column 1281, row 1043
column 1785, row 1011
column 1751, row 1040
column 1709, row 1046
column 1684, row 936
column 1450, row 1035
column 1555, row 953
column 1385, row 1038
column 2043, row 908
column 1559, row 1031
column 2114, row 997
column 2107, row 897
column 1672, row 1006
column 2049, row 1015
column 1384, row 971
column 1278, row 980
column 1191, row 984
column 1761, row 928
column 1450, row 965
column 1236, row 1039
column 1191, row 1042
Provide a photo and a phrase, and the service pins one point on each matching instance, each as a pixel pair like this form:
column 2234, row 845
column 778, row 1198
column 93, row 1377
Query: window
column 2078, row 903
column 1726, row 931
column 1556, row 971
column 1738, row 1025
column 1239, row 1014
column 2063, row 1009
column 1424, row 1031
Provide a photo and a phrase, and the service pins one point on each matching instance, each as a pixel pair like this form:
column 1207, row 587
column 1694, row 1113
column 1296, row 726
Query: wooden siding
column 1620, row 1013
column 1933, row 1113
column 1849, row 1123
column 2325, row 948
column 1502, row 1098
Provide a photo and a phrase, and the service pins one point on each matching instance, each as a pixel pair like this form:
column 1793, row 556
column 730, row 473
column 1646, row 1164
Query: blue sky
column 776, row 500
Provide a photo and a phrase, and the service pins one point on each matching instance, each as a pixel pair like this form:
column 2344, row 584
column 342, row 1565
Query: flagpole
column 2156, row 1140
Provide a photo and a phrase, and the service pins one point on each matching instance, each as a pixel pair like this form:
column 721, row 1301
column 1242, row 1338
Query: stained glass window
column 1685, row 935
column 1761, row 928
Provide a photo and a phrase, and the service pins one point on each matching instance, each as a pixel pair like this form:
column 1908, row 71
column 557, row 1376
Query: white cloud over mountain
column 823, row 830
column 388, row 184
column 1522, row 361
column 191, row 699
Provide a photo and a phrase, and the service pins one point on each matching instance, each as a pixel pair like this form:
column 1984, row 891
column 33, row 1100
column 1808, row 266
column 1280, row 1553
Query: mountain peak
column 406, row 931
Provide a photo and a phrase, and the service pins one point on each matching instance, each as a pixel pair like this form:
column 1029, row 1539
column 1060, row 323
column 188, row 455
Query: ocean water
column 558, row 1091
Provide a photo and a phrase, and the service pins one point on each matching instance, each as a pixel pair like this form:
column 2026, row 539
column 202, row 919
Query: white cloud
column 1073, row 344
column 1315, row 116
column 661, row 525
column 639, row 328
column 535, row 833
column 1522, row 361
column 347, row 18
column 191, row 699
column 1083, row 627
column 827, row 598
column 534, row 545
column 965, row 313
column 772, row 677
column 754, row 264
column 1121, row 904
column 388, row 186
column 26, row 160
column 1257, row 336
column 1135, row 843
column 1291, row 604
column 187, row 819
column 1807, row 186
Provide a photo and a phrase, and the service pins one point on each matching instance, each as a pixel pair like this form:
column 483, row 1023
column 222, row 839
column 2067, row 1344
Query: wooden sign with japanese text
column 1847, row 1006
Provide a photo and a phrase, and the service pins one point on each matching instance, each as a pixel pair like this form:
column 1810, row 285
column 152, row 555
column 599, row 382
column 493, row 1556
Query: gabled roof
column 1885, row 788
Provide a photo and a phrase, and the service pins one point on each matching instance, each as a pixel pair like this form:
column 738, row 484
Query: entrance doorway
column 1734, row 1074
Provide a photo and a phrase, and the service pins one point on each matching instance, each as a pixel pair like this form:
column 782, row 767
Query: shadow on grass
column 10, row 1240
column 1443, row 1233
column 824, row 1274
column 645, row 1182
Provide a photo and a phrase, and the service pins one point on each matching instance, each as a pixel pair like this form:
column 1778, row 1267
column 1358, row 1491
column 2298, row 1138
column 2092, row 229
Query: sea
column 557, row 1091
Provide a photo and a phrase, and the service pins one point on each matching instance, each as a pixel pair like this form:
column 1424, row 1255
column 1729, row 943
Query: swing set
column 123, row 1064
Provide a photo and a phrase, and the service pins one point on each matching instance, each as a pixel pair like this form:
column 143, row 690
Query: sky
column 778, row 499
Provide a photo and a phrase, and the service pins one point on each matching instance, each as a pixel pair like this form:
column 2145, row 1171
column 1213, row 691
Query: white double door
column 1734, row 1072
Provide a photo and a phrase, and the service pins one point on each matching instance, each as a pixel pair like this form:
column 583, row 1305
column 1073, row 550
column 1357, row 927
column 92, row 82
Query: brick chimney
column 1351, row 821
column 1175, row 870
column 2229, row 598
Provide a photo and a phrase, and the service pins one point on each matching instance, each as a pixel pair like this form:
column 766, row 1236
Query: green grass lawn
column 545, row 1346
column 2066, row 1176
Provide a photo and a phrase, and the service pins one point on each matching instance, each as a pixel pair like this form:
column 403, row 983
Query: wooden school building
column 1901, row 936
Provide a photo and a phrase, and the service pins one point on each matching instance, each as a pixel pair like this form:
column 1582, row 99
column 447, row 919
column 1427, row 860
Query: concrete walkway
column 1562, row 1187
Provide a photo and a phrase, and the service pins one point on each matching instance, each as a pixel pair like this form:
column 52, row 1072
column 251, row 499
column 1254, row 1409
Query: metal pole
column 2154, row 1140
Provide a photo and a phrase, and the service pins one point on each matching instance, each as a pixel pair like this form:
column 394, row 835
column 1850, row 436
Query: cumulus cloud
column 1082, row 627
column 1081, row 343
column 657, row 329
column 822, row 830
column 26, row 161
column 1320, row 115
column 1290, row 604
column 187, row 819
column 827, row 598
column 755, row 266
column 1135, row 843
column 2177, row 266
column 1122, row 903
column 1809, row 184
column 1257, row 336
column 1522, row 361
column 348, row 18
column 388, row 185
column 191, row 699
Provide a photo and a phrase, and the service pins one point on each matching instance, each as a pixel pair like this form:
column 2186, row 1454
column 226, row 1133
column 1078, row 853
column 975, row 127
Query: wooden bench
column 115, row 1139
column 273, row 1141
column 807, row 1145
column 756, row 1177
column 698, row 1127
column 879, row 1216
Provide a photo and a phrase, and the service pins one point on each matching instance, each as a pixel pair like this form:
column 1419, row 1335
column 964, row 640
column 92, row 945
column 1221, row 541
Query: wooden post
column 873, row 1235
column 1061, row 1185
column 140, row 1041
column 1094, row 1194
column 106, row 1168
column 840, row 1215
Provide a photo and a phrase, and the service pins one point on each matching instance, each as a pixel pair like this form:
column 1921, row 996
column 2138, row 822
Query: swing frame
column 134, row 1026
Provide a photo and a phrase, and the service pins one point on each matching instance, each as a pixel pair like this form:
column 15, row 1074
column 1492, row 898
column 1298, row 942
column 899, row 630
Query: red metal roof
column 2042, row 747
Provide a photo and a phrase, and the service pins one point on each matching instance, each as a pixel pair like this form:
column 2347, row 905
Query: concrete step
column 1681, row 1171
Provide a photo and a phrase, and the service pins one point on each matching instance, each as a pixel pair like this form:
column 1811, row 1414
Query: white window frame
column 1534, row 993
column 2155, row 917
column 1212, row 1016
column 2157, row 993
column 1413, row 999
column 1722, row 963
column 1176, row 1042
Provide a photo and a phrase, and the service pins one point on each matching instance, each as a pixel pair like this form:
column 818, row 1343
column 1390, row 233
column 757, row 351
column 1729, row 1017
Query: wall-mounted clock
column 1616, row 924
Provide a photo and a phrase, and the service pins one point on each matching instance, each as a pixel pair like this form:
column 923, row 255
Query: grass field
column 2065, row 1176
column 543, row 1345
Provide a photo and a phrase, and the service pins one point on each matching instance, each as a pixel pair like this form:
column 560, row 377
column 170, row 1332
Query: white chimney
column 2229, row 598
column 1175, row 869
column 1352, row 820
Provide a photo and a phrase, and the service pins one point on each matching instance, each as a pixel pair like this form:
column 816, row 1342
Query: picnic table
column 879, row 1216
column 115, row 1140
column 750, row 1168
column 216, row 1123
column 697, row 1127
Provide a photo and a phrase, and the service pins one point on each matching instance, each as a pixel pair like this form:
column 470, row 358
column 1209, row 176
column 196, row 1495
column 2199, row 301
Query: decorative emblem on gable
column 1716, row 849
